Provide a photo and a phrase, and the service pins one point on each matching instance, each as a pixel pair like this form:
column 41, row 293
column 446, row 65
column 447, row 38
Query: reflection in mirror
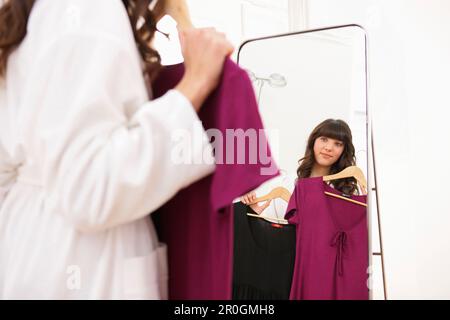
column 311, row 90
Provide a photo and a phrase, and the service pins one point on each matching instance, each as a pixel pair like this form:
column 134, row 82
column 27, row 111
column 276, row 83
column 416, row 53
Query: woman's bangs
column 333, row 131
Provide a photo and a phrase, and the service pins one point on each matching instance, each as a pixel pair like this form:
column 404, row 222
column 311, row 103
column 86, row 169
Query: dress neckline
column 328, row 199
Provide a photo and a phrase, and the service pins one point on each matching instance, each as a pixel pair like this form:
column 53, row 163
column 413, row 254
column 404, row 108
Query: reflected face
column 327, row 151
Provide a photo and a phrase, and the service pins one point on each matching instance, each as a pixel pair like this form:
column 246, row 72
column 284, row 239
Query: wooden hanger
column 350, row 172
column 278, row 192
column 267, row 217
column 346, row 199
column 178, row 10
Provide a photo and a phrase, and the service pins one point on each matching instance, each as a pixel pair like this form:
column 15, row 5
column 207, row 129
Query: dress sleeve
column 102, row 166
column 292, row 210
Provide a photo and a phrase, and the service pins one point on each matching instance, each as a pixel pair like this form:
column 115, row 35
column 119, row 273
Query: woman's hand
column 177, row 9
column 204, row 51
column 250, row 198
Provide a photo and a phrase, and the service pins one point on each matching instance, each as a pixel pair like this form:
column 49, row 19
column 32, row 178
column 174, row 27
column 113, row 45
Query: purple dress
column 332, row 244
column 197, row 224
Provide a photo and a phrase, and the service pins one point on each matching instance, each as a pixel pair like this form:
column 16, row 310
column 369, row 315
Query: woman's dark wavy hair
column 14, row 16
column 334, row 129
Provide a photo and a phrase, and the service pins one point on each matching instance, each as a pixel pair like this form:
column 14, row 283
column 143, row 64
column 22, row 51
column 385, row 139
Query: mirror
column 300, row 80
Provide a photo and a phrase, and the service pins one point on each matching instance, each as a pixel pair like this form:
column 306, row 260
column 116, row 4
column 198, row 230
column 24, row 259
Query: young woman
column 329, row 150
column 84, row 155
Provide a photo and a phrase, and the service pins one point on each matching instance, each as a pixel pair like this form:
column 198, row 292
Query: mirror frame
column 371, row 186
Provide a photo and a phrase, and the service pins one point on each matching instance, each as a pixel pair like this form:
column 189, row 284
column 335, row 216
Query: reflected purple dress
column 332, row 244
column 197, row 224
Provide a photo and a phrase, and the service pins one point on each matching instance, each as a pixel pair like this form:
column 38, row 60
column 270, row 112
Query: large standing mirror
column 300, row 80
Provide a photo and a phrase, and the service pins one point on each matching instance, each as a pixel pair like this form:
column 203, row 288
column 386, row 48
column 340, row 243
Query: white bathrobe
column 84, row 159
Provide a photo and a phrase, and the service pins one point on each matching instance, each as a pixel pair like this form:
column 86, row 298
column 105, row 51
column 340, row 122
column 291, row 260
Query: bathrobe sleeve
column 104, row 166
column 7, row 174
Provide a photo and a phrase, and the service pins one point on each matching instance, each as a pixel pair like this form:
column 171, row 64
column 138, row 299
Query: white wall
column 241, row 19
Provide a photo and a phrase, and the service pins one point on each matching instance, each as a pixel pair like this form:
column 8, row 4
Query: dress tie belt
column 339, row 241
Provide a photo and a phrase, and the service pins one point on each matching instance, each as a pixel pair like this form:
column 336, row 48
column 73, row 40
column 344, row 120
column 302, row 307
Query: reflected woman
column 329, row 150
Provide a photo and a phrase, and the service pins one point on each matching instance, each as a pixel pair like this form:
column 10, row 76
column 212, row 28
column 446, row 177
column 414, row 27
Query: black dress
column 264, row 257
